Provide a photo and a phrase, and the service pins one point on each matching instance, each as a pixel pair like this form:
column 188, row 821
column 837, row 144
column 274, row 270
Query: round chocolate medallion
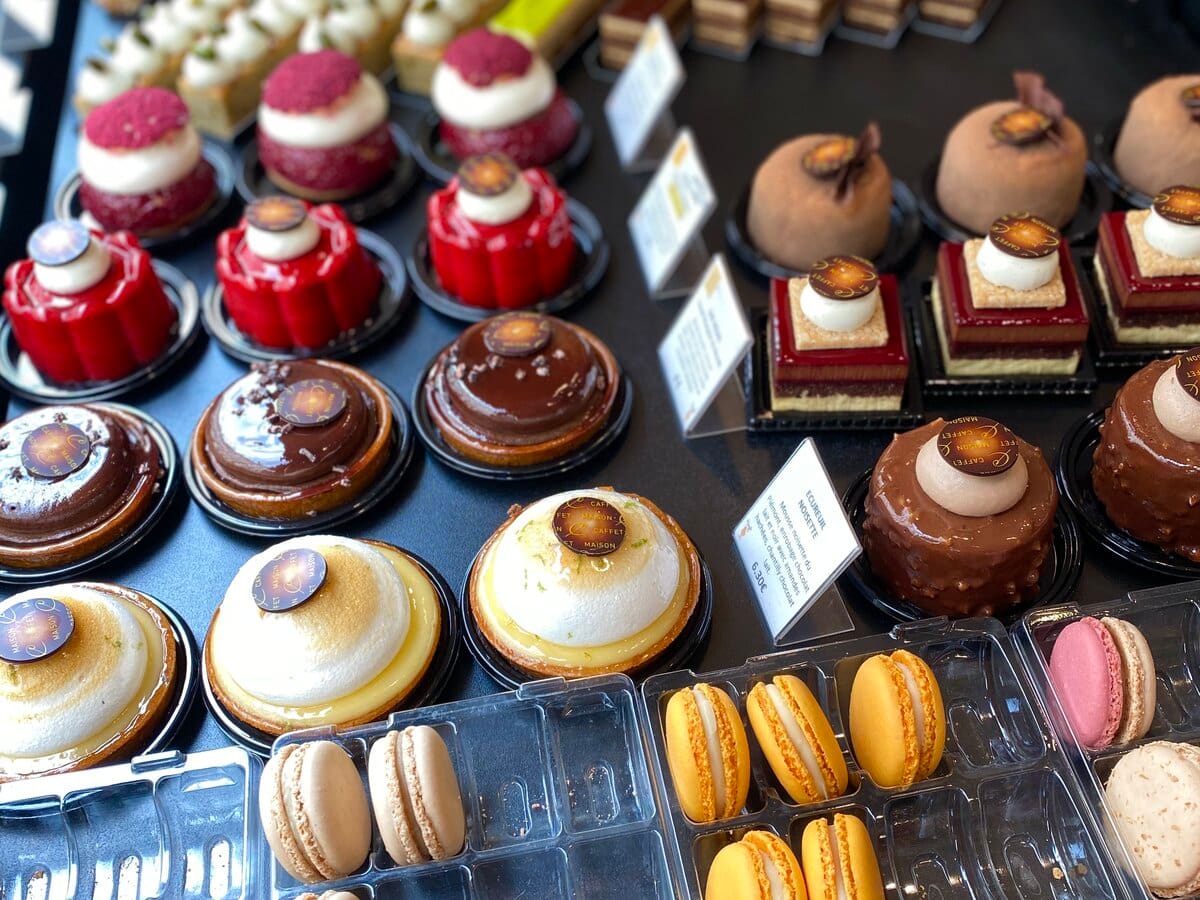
column 1025, row 236
column 1187, row 370
column 843, row 277
column 1179, row 204
column 589, row 526
column 978, row 445
column 488, row 174
column 276, row 213
column 313, row 401
column 829, row 157
column 33, row 628
column 58, row 243
column 1023, row 125
column 55, row 450
column 516, row 334
column 288, row 580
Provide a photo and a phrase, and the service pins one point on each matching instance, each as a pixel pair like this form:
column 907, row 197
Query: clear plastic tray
column 558, row 795
column 1169, row 617
column 1001, row 817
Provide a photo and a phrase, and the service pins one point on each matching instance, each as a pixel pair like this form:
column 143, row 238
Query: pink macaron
column 1103, row 673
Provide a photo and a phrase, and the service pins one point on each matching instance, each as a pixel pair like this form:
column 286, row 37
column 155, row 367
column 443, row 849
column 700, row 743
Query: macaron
column 761, row 866
column 1103, row 673
column 797, row 739
column 897, row 719
column 415, row 795
column 314, row 811
column 328, row 895
column 707, row 753
column 1152, row 797
column 839, row 860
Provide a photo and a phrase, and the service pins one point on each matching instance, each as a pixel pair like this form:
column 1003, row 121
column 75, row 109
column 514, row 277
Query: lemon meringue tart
column 88, row 673
column 322, row 630
column 585, row 582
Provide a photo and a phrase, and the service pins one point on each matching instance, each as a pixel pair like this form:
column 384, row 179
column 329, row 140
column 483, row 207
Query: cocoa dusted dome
column 1159, row 143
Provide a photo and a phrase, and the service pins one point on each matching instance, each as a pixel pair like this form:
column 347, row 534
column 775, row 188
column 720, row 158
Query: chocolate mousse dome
column 1021, row 155
column 819, row 195
column 1159, row 143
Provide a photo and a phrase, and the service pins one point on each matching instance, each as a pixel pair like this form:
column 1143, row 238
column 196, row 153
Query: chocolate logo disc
column 313, row 401
column 488, row 174
column 33, row 628
column 1025, row 236
column 276, row 213
column 517, row 334
column 288, row 580
column 1187, row 370
column 58, row 243
column 978, row 445
column 589, row 526
column 1023, row 125
column 829, row 157
column 1179, row 204
column 54, row 450
column 843, row 277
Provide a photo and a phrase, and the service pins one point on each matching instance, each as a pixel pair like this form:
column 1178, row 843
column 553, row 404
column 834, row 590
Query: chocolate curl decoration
column 1032, row 92
column 868, row 145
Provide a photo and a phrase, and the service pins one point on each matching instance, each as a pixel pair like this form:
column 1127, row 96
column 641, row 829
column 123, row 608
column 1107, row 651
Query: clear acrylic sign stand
column 638, row 108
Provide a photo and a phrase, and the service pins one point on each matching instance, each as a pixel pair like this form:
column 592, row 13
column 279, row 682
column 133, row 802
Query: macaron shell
column 275, row 822
column 787, row 867
column 735, row 749
column 777, row 746
column 1085, row 670
column 854, row 857
column 1139, row 679
column 883, row 729
column 329, row 810
column 687, row 758
column 433, row 791
column 396, row 829
column 737, row 873
column 933, row 711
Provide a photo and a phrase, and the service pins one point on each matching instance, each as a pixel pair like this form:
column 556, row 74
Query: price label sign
column 641, row 99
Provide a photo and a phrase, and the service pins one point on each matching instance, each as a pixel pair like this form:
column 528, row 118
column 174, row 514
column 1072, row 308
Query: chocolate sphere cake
column 1159, row 143
column 1023, row 155
column 960, row 517
column 1146, row 468
column 819, row 195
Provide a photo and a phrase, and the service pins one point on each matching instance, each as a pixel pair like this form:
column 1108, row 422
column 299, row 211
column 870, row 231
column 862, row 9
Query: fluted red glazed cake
column 500, row 237
column 495, row 95
column 87, row 306
column 141, row 165
column 323, row 127
column 295, row 275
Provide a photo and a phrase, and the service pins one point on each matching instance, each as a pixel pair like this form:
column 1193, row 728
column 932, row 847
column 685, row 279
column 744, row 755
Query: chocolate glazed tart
column 948, row 564
column 1147, row 478
column 293, row 438
column 73, row 480
column 521, row 389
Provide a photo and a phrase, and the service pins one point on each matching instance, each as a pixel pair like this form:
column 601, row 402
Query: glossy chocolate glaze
column 518, row 400
column 251, row 447
column 1147, row 478
column 122, row 461
column 949, row 564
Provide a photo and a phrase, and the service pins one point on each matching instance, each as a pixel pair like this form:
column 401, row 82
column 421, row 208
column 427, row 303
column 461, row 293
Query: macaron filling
column 796, row 735
column 712, row 740
column 835, row 852
column 918, row 707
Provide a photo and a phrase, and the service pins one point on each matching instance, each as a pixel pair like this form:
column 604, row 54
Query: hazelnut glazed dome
column 358, row 642
column 98, row 669
column 1159, row 143
column 818, row 195
column 1022, row 154
column 585, row 582
column 141, row 164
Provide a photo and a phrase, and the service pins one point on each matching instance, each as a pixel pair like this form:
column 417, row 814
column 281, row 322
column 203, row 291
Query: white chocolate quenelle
column 1173, row 225
column 492, row 190
column 1176, row 397
column 973, row 467
column 280, row 228
column 1020, row 252
column 842, row 293
column 66, row 258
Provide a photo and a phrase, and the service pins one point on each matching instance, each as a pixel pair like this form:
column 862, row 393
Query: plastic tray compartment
column 1169, row 617
column 165, row 825
column 558, row 797
column 1001, row 817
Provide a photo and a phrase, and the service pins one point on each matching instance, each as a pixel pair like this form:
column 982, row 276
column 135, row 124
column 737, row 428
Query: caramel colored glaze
column 48, row 521
column 518, row 410
column 1147, row 478
column 949, row 564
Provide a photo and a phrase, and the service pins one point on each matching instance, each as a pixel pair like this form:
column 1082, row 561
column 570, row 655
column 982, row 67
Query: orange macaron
column 761, row 866
column 839, row 860
column 707, row 752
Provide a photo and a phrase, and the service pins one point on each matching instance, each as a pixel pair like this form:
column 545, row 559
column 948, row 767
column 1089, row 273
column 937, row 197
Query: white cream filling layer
column 99, row 85
column 712, row 740
column 195, row 16
column 315, row 36
column 1173, row 239
column 168, row 33
column 135, row 56
column 778, row 891
column 969, row 495
column 429, row 27
column 243, row 40
column 144, row 169
column 78, row 275
column 836, row 851
column 499, row 209
column 351, row 117
column 498, row 105
column 1014, row 272
column 208, row 71
column 358, row 20
column 1176, row 409
column 274, row 658
column 578, row 601
column 838, row 315
column 280, row 246
column 914, row 694
column 80, row 707
column 799, row 741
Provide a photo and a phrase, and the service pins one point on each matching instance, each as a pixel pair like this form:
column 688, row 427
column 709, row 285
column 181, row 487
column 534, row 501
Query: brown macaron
column 314, row 811
column 415, row 796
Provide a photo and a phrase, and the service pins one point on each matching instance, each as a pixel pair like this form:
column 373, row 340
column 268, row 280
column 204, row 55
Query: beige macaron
column 314, row 811
column 328, row 895
column 415, row 795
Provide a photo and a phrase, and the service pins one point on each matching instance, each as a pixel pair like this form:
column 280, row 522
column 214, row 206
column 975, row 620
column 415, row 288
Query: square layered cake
column 815, row 369
column 799, row 21
column 952, row 13
column 623, row 22
column 730, row 25
column 882, row 16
